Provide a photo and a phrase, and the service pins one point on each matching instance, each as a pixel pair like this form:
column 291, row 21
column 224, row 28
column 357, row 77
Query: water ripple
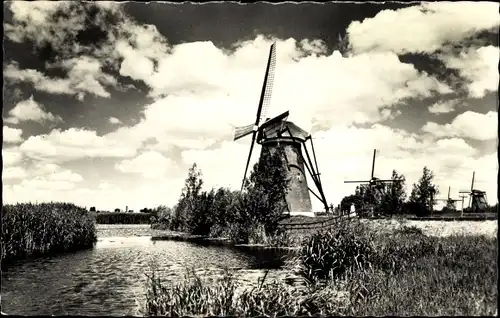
column 110, row 279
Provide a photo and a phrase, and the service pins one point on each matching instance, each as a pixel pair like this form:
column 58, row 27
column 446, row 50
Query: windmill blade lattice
column 270, row 82
column 264, row 101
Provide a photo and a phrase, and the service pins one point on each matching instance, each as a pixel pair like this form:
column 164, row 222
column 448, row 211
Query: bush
column 40, row 229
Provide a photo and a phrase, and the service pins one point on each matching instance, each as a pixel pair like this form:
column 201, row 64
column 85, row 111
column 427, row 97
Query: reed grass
column 405, row 273
column 40, row 229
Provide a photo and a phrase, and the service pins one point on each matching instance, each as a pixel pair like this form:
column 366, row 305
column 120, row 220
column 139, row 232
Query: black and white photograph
column 250, row 159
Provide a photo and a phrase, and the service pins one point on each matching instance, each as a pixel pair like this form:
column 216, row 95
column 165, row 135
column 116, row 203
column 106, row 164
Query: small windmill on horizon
column 477, row 198
column 279, row 132
column 374, row 184
column 450, row 203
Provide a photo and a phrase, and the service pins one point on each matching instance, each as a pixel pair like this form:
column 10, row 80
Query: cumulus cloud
column 150, row 164
column 30, row 110
column 84, row 76
column 73, row 144
column 11, row 173
column 443, row 107
column 12, row 135
column 467, row 125
column 479, row 67
column 438, row 23
column 204, row 103
column 11, row 156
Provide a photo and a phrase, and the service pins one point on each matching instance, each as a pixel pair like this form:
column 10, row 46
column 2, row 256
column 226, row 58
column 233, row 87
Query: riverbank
column 293, row 237
column 30, row 230
column 407, row 273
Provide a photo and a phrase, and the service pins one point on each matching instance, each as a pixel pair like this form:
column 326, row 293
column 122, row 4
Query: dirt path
column 439, row 228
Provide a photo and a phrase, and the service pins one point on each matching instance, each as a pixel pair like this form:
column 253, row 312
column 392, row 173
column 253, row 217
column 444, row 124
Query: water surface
column 110, row 279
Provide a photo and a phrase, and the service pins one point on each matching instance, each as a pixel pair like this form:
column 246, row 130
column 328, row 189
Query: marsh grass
column 351, row 269
column 46, row 228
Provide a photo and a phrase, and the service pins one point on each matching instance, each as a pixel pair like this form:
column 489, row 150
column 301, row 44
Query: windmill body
column 276, row 133
column 291, row 141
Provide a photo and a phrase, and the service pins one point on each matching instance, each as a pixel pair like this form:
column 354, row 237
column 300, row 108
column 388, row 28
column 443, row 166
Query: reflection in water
column 110, row 279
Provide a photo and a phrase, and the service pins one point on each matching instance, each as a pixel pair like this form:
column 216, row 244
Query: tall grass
column 402, row 273
column 40, row 229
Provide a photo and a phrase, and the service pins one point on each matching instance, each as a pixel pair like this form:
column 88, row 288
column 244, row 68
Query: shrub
column 39, row 229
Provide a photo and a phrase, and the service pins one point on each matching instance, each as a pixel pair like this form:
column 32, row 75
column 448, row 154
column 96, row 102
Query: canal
column 111, row 278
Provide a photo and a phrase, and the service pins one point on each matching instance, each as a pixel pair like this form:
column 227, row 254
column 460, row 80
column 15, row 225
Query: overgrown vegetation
column 249, row 216
column 352, row 270
column 40, row 229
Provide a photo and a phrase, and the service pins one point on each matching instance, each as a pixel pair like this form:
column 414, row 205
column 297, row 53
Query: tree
column 267, row 189
column 345, row 204
column 117, row 210
column 92, row 209
column 395, row 195
column 423, row 194
column 200, row 219
column 189, row 196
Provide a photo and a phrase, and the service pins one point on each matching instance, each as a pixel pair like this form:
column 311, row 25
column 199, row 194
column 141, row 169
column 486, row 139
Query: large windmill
column 477, row 198
column 450, row 203
column 278, row 132
column 374, row 185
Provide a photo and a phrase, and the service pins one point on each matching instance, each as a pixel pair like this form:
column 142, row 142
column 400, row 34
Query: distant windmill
column 450, row 203
column 477, row 198
column 374, row 184
column 278, row 132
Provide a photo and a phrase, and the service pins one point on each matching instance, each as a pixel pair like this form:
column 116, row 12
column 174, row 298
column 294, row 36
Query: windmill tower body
column 298, row 198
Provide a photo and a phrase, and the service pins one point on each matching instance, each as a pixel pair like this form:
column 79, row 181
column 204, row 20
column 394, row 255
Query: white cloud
column 30, row 110
column 467, row 125
column 74, row 144
column 12, row 135
column 150, row 164
column 443, row 107
column 10, row 173
column 479, row 67
column 205, row 103
column 114, row 120
column 11, row 156
column 106, row 196
column 84, row 76
column 422, row 28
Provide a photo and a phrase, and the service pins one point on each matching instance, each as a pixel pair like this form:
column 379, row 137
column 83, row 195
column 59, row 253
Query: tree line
column 391, row 198
column 242, row 216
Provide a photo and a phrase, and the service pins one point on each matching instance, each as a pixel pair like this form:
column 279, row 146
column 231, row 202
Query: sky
column 108, row 104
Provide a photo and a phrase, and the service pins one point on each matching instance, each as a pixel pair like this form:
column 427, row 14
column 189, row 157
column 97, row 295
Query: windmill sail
column 240, row 132
column 265, row 98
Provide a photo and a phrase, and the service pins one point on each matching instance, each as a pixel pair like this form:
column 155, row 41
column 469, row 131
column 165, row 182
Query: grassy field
column 40, row 229
column 355, row 269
